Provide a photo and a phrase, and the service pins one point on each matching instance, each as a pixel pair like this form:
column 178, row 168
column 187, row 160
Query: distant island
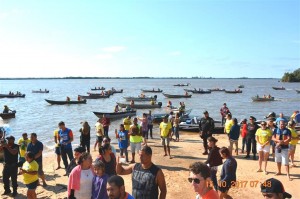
column 291, row 77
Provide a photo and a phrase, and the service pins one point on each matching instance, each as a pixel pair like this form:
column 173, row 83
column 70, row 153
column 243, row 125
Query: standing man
column 136, row 139
column 224, row 111
column 165, row 128
column 282, row 137
column 105, row 122
column 57, row 148
column 206, row 127
column 10, row 169
column 250, row 137
column 36, row 147
column 65, row 136
column 281, row 117
column 147, row 178
column 23, row 143
column 150, row 124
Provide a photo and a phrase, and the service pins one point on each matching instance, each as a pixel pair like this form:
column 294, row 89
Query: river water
column 34, row 114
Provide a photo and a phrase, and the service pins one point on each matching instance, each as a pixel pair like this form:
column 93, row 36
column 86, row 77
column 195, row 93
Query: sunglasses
column 196, row 180
column 263, row 124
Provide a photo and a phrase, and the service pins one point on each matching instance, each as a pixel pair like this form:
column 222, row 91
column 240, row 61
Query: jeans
column 244, row 141
column 64, row 153
column 10, row 171
column 176, row 132
column 106, row 131
column 150, row 127
column 213, row 176
column 223, row 120
column 126, row 153
column 251, row 141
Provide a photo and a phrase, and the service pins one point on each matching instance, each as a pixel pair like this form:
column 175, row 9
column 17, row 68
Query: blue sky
column 225, row 38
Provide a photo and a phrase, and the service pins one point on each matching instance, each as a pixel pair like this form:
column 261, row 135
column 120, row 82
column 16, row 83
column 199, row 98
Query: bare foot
column 170, row 157
column 277, row 174
column 58, row 168
column 165, row 155
column 259, row 170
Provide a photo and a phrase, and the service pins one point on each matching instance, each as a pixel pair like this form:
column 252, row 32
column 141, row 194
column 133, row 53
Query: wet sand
column 188, row 150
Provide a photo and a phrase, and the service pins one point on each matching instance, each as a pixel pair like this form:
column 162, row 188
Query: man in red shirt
column 224, row 111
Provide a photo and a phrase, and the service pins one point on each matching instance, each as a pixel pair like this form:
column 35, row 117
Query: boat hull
column 145, row 99
column 177, row 96
column 40, row 91
column 140, row 106
column 152, row 91
column 93, row 96
column 53, row 102
column 8, row 115
column 11, row 96
column 117, row 115
column 261, row 99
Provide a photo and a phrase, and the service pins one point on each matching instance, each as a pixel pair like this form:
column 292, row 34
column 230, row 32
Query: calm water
column 34, row 114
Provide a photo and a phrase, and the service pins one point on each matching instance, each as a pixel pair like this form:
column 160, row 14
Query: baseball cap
column 273, row 185
column 79, row 149
column 10, row 137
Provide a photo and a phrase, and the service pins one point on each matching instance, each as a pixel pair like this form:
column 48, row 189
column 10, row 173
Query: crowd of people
column 100, row 178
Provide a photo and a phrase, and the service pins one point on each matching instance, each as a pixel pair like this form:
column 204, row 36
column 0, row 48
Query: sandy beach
column 188, row 150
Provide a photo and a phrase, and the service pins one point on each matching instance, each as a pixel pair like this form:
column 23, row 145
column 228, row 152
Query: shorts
column 292, row 147
column 135, row 147
column 266, row 149
column 165, row 141
column 99, row 139
column 33, row 185
column 57, row 151
column 223, row 186
column 40, row 171
column 282, row 157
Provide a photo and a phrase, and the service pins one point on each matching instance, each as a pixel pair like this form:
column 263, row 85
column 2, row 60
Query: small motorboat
column 157, row 118
column 189, row 90
column 187, row 84
column 176, row 96
column 262, row 99
column 278, row 88
column 216, row 89
column 201, row 91
column 141, row 106
column 40, row 91
column 93, row 96
column 115, row 115
column 241, row 86
column 139, row 98
column 9, row 115
column 298, row 91
column 116, row 91
column 192, row 125
column 12, row 95
column 233, row 91
column 98, row 89
column 152, row 91
column 53, row 102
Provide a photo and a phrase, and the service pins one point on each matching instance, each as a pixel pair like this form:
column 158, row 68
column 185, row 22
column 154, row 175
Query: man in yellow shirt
column 165, row 128
column 23, row 142
column 57, row 148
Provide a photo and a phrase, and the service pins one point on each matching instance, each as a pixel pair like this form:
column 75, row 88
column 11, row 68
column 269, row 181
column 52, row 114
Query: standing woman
column 293, row 142
column 105, row 122
column 228, row 173
column 122, row 136
column 244, row 133
column 263, row 138
column 214, row 160
column 150, row 124
column 85, row 137
column 176, row 122
column 109, row 160
column 252, row 128
column 81, row 178
column 29, row 171
column 144, row 126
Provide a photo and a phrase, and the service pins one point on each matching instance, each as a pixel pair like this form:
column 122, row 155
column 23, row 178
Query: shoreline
column 176, row 172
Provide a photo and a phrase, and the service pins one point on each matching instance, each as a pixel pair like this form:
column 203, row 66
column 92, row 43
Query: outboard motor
column 159, row 103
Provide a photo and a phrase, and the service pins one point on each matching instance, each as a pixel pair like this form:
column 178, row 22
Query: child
column 122, row 137
column 99, row 181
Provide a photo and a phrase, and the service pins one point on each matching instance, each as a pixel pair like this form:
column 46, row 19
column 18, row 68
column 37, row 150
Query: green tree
column 291, row 77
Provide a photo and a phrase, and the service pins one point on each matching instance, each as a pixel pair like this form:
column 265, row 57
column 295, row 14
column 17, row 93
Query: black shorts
column 223, row 186
column 57, row 151
column 99, row 139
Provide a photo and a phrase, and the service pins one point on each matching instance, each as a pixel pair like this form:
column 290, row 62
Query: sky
column 156, row 38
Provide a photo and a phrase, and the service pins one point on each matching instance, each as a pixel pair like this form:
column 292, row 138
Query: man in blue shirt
column 65, row 137
column 281, row 117
column 36, row 147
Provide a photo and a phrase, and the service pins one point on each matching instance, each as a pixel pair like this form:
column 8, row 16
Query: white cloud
column 114, row 49
column 104, row 56
column 175, row 53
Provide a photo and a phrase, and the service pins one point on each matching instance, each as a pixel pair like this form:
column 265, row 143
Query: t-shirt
column 23, row 146
column 212, row 194
column 86, row 183
column 282, row 134
column 263, row 135
column 252, row 128
column 294, row 135
column 244, row 130
column 99, row 127
column 123, row 139
column 55, row 134
column 165, row 129
column 65, row 136
column 128, row 196
column 35, row 148
column 133, row 137
column 144, row 125
column 127, row 122
column 9, row 158
column 228, row 125
column 32, row 166
column 99, row 187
